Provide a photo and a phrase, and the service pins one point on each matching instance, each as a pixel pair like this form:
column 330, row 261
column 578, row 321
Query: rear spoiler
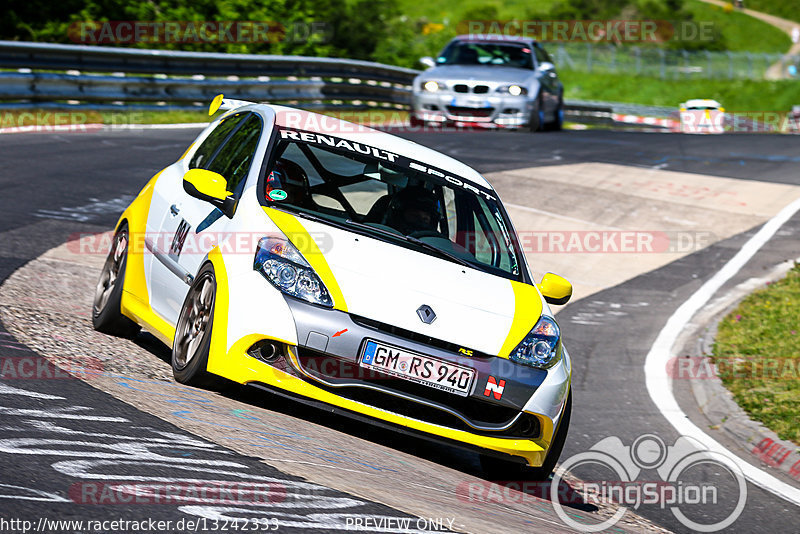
column 220, row 102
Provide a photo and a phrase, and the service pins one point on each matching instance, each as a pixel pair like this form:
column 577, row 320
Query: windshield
column 392, row 198
column 492, row 54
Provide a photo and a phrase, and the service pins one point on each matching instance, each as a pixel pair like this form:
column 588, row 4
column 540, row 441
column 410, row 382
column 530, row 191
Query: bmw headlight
column 431, row 86
column 540, row 347
column 513, row 90
column 286, row 269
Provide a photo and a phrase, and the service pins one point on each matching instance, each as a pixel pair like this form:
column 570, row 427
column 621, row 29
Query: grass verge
column 735, row 95
column 742, row 33
column 757, row 353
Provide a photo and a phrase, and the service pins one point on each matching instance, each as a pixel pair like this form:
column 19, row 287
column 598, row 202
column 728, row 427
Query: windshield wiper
column 408, row 238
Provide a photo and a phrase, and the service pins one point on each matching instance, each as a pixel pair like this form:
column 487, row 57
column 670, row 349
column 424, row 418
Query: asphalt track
column 46, row 178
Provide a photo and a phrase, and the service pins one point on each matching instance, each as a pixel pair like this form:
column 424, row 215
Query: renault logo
column 426, row 314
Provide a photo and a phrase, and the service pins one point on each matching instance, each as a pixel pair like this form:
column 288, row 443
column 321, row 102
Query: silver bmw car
column 489, row 80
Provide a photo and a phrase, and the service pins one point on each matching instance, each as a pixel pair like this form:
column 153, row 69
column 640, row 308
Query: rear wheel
column 107, row 306
column 193, row 334
column 497, row 469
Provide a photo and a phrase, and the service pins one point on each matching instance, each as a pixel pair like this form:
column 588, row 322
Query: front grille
column 480, row 89
column 476, row 411
column 457, row 111
column 416, row 337
column 460, row 88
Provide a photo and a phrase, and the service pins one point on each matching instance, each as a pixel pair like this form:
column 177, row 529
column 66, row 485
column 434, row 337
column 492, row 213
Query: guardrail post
column 588, row 57
column 730, row 65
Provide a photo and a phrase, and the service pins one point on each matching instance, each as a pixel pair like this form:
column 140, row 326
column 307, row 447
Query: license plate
column 417, row 368
column 469, row 102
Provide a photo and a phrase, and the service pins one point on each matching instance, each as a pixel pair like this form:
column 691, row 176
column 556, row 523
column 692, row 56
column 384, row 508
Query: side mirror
column 210, row 187
column 427, row 61
column 546, row 66
column 555, row 289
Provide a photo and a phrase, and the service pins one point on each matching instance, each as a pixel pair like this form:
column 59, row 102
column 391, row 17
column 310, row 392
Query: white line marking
column 559, row 216
column 659, row 383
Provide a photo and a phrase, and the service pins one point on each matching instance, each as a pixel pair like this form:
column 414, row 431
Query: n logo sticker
column 493, row 387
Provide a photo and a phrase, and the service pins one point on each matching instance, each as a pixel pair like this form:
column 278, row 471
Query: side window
column 234, row 158
column 214, row 140
column 541, row 55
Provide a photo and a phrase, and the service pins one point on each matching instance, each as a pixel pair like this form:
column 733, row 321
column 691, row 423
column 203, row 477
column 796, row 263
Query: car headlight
column 540, row 347
column 286, row 269
column 513, row 90
column 432, row 86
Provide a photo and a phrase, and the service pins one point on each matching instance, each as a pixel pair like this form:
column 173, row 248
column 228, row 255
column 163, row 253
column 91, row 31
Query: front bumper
column 493, row 109
column 324, row 368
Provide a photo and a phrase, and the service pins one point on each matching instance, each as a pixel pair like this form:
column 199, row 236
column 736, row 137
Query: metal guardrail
column 46, row 87
column 111, row 77
column 15, row 54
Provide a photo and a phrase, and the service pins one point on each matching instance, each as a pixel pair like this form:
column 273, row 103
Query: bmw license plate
column 415, row 367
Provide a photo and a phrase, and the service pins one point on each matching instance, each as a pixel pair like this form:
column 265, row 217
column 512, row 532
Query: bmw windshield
column 486, row 54
column 391, row 198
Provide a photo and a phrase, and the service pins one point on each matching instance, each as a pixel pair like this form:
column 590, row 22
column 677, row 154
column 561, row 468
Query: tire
column 414, row 122
column 557, row 124
column 496, row 469
column 537, row 116
column 107, row 304
column 192, row 341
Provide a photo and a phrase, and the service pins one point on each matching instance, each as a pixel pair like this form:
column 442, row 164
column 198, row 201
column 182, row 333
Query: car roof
column 314, row 122
column 697, row 102
column 494, row 37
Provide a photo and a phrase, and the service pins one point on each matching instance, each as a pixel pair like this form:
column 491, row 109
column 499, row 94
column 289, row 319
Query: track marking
column 659, row 384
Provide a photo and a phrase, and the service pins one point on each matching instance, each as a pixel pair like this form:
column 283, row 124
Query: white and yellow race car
column 346, row 268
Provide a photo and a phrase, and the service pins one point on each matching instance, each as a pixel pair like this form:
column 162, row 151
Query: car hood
column 478, row 73
column 388, row 283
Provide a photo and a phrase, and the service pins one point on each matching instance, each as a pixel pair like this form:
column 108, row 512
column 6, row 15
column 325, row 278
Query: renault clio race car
column 352, row 270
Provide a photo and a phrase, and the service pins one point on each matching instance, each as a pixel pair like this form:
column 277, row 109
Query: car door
column 190, row 227
column 551, row 85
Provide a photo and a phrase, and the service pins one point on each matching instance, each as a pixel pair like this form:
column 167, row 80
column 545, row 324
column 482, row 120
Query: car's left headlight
column 282, row 264
column 513, row 90
column 540, row 348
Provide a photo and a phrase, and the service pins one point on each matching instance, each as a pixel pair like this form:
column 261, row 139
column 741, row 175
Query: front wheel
column 536, row 121
column 107, row 306
column 192, row 342
column 558, row 122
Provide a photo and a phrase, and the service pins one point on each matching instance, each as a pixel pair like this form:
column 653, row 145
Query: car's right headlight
column 282, row 264
column 432, row 86
column 540, row 347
